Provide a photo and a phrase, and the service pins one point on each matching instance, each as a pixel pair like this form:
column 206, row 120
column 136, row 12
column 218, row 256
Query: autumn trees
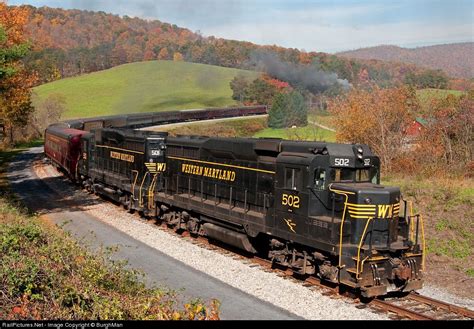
column 15, row 81
column 447, row 142
column 261, row 90
column 380, row 118
column 287, row 106
column 377, row 117
column 427, row 79
column 92, row 41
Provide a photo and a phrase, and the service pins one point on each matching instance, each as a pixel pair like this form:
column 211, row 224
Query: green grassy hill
column 428, row 95
column 144, row 87
column 309, row 132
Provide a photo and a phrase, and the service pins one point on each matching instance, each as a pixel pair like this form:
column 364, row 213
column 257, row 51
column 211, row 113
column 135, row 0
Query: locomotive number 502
column 290, row 200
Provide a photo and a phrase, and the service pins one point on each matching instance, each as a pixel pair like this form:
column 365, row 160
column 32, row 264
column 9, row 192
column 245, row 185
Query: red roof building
column 414, row 129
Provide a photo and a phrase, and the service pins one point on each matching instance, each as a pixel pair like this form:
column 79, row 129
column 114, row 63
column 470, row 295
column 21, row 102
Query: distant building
column 415, row 128
column 413, row 132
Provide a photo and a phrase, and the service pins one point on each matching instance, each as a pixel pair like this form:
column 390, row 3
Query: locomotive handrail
column 413, row 236
column 362, row 238
column 134, row 183
column 423, row 253
column 151, row 192
column 345, row 193
column 140, row 201
column 412, row 228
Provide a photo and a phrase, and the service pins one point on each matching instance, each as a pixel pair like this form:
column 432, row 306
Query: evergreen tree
column 9, row 54
column 276, row 115
column 298, row 111
column 288, row 109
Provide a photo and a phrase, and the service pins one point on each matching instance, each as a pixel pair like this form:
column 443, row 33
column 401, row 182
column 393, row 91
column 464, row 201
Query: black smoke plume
column 298, row 75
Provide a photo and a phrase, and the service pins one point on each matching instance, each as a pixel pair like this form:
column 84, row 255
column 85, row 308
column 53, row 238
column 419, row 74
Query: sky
column 310, row 25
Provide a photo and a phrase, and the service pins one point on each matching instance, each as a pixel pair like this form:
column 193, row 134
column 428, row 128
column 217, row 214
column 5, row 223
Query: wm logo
column 155, row 167
column 160, row 166
column 385, row 210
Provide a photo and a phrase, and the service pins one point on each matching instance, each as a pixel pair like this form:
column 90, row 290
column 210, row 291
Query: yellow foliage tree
column 177, row 57
column 377, row 117
column 163, row 54
column 15, row 82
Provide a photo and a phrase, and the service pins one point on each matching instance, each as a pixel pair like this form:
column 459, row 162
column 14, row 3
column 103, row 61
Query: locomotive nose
column 371, row 204
column 366, row 200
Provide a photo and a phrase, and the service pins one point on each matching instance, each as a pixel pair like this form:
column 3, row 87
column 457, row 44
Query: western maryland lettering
column 122, row 156
column 221, row 174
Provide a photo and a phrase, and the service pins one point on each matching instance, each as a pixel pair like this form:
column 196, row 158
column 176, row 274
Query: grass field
column 426, row 96
column 324, row 119
column 309, row 132
column 447, row 206
column 144, row 87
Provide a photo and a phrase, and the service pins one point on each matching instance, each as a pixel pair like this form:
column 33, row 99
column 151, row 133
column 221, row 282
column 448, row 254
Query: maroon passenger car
column 63, row 146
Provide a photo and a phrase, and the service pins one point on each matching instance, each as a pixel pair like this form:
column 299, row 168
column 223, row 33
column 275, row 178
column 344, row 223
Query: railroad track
column 412, row 306
column 418, row 307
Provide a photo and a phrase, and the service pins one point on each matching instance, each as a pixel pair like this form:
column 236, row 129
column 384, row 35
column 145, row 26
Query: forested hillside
column 73, row 42
column 456, row 59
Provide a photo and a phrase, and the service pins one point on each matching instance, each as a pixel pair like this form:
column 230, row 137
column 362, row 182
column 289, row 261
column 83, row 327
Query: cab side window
column 292, row 178
column 320, row 179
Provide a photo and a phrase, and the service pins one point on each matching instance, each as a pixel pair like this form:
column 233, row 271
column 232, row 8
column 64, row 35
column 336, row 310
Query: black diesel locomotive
column 316, row 207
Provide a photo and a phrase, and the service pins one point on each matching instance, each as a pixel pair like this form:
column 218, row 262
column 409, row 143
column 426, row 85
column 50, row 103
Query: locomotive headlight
column 360, row 156
column 368, row 200
column 360, row 150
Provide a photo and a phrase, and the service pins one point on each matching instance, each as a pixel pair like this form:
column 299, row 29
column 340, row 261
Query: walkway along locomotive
column 316, row 207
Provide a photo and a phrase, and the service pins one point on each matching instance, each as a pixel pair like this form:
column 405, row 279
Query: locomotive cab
column 331, row 198
column 373, row 253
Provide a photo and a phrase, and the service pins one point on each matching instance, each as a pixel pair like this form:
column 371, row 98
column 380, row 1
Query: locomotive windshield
column 354, row 175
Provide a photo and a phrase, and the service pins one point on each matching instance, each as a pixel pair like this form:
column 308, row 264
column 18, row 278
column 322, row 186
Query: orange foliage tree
column 163, row 54
column 448, row 139
column 15, row 82
column 377, row 117
column 177, row 57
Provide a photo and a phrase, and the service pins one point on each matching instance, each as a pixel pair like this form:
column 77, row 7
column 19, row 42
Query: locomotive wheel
column 129, row 206
column 126, row 202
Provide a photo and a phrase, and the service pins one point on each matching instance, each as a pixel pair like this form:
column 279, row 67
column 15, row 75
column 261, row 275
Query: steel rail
column 442, row 305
